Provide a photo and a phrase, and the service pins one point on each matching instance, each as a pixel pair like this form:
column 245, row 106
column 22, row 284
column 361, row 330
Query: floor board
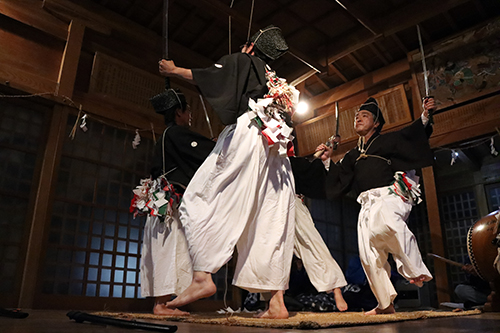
column 55, row 321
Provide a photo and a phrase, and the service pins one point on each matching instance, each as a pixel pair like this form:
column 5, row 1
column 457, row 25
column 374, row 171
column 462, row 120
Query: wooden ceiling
column 342, row 39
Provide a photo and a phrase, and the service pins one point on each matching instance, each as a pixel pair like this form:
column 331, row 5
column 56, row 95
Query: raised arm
column 168, row 68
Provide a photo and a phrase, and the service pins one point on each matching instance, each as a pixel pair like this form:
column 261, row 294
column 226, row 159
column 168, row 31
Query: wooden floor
column 55, row 321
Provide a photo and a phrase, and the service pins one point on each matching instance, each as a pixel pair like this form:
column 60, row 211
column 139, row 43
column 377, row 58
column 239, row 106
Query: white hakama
column 382, row 230
column 323, row 271
column 242, row 195
column 165, row 263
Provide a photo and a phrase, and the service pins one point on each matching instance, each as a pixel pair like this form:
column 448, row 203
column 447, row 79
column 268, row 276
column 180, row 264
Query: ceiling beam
column 334, row 69
column 357, row 63
column 379, row 54
column 222, row 11
column 390, row 24
column 125, row 29
column 201, row 36
column 450, row 21
column 360, row 17
column 400, row 44
column 132, row 8
column 321, row 82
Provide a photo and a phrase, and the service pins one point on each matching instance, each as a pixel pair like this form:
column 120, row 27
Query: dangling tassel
column 454, row 156
column 137, row 139
column 493, row 151
column 83, row 125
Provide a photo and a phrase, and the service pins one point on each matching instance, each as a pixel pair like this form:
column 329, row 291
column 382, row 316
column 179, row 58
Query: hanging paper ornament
column 137, row 139
column 493, row 151
column 83, row 125
column 454, row 156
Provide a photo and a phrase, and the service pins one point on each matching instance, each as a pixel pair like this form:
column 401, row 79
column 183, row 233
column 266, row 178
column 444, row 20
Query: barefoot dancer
column 323, row 271
column 243, row 194
column 166, row 268
column 374, row 170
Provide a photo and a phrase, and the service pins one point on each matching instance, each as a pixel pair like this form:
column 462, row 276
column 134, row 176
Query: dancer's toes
column 418, row 281
column 163, row 310
column 390, row 309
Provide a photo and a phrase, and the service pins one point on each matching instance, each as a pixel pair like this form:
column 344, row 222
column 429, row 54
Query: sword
column 158, row 100
column 80, row 317
column 448, row 261
column 328, row 143
column 206, row 116
column 426, row 79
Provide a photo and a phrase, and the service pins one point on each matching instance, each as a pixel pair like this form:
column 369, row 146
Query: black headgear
column 270, row 42
column 167, row 100
column 371, row 105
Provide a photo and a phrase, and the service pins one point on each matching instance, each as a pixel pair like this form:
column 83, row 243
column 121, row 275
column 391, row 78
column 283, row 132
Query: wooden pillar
column 440, row 272
column 43, row 204
column 69, row 62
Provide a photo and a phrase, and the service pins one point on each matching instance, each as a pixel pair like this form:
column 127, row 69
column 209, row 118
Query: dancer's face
column 364, row 122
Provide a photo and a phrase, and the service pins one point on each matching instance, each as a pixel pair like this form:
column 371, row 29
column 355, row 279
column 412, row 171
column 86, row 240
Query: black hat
column 270, row 42
column 371, row 105
column 167, row 100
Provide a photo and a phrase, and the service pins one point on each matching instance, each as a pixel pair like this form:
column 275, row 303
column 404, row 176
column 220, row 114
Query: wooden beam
column 201, row 37
column 450, row 21
column 357, row 63
column 322, row 83
column 70, row 59
column 379, row 54
column 390, row 24
column 338, row 72
column 43, row 204
column 125, row 28
column 355, row 86
column 398, row 41
column 29, row 13
column 222, row 11
column 359, row 16
column 132, row 8
column 68, row 11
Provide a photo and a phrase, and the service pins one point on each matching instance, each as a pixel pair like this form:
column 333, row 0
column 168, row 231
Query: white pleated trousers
column 243, row 195
column 382, row 230
column 165, row 263
column 323, row 271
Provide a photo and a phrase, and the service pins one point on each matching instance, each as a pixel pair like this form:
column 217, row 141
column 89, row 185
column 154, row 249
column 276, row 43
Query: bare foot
column 162, row 310
column 276, row 309
column 390, row 309
column 419, row 281
column 339, row 300
column 202, row 286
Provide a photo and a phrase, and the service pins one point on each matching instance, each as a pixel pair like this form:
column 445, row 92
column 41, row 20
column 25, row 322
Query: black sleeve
column 309, row 177
column 223, row 85
column 412, row 147
column 340, row 176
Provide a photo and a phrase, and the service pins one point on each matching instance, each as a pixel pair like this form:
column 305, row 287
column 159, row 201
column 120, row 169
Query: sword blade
column 448, row 261
column 206, row 116
column 165, row 28
column 424, row 66
column 337, row 118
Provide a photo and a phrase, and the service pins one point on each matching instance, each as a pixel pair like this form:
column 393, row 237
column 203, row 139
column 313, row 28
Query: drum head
column 482, row 251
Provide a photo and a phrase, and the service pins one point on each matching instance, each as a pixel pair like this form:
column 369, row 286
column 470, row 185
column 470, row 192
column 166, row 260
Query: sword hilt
column 328, row 143
column 431, row 111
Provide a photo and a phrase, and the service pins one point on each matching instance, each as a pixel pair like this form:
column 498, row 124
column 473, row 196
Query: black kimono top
column 402, row 150
column 228, row 84
column 185, row 151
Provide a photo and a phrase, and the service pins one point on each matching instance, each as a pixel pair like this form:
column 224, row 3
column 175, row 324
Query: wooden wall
column 48, row 51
